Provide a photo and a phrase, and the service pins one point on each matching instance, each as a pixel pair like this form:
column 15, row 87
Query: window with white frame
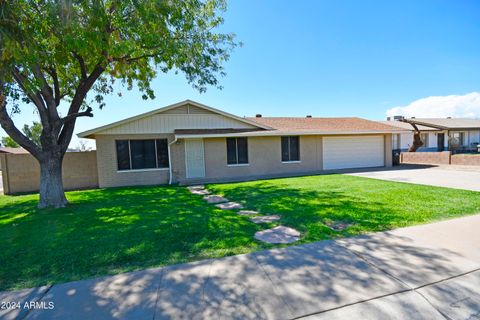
column 424, row 138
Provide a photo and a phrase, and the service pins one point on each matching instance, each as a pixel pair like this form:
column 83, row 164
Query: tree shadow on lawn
column 114, row 230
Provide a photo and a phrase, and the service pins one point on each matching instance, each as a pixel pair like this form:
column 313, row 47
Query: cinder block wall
column 425, row 157
column 466, row 159
column 21, row 172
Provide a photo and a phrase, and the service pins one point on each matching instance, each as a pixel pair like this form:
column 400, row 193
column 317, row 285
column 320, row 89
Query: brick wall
column 21, row 172
column 466, row 159
column 425, row 157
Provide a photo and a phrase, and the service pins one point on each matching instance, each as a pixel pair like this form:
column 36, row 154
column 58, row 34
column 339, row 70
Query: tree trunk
column 417, row 142
column 51, row 184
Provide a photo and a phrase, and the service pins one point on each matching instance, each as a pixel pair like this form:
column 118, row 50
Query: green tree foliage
column 33, row 132
column 9, row 142
column 54, row 53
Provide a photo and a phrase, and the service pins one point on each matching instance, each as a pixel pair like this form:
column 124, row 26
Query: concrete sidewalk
column 423, row 272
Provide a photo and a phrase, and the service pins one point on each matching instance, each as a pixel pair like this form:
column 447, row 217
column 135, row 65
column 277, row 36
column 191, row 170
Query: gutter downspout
column 170, row 170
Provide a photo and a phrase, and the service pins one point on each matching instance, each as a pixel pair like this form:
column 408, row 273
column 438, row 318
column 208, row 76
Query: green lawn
column 116, row 230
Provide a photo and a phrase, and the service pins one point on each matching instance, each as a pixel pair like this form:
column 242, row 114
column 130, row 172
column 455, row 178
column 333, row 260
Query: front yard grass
column 109, row 231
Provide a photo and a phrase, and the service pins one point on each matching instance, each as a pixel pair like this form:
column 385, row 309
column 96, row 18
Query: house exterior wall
column 109, row 176
column 264, row 155
column 21, row 172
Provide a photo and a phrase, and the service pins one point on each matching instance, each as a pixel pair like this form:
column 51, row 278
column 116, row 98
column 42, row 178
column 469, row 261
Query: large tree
column 53, row 53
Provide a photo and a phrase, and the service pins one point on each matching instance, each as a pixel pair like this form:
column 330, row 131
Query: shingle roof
column 408, row 126
column 448, row 123
column 325, row 124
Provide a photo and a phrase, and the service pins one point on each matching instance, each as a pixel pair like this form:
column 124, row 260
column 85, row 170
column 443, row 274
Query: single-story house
column 438, row 134
column 189, row 142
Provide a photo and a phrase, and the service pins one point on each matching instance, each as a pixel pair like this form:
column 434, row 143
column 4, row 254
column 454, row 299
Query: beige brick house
column 189, row 143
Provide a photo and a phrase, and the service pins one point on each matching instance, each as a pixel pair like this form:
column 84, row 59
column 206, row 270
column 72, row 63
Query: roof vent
column 388, row 118
column 309, row 116
column 398, row 118
column 412, row 118
column 258, row 115
column 449, row 117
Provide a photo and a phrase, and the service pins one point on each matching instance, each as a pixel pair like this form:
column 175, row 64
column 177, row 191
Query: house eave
column 274, row 133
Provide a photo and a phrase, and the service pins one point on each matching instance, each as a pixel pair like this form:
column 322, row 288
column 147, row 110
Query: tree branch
column 10, row 128
column 67, row 130
column 86, row 113
column 45, row 89
column 56, row 86
column 81, row 62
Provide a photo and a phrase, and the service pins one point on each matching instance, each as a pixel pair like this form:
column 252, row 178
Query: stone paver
column 434, row 176
column 125, row 296
column 265, row 219
column 200, row 192
column 212, row 199
column 197, row 187
column 401, row 306
column 247, row 212
column 338, row 225
column 229, row 205
column 280, row 234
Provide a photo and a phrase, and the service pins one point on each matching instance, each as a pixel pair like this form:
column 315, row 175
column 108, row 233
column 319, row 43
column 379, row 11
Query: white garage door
column 353, row 152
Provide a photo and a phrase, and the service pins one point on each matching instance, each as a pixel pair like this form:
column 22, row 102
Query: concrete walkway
column 423, row 272
column 457, row 177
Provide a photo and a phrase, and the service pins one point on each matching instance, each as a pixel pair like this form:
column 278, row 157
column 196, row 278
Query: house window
column 290, row 149
column 142, row 154
column 237, row 151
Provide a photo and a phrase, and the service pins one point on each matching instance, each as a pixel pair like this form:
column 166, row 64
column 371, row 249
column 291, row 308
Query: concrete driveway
column 422, row 272
column 457, row 177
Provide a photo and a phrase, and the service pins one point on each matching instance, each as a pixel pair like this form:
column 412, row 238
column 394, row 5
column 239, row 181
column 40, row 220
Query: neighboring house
column 403, row 141
column 439, row 134
column 189, row 142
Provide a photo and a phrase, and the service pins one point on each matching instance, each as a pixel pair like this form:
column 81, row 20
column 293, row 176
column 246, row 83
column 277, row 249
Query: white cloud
column 466, row 106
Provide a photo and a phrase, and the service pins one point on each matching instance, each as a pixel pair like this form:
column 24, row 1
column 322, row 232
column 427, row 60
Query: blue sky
column 330, row 58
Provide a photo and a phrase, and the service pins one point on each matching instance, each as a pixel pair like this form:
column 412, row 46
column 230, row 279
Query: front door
column 194, row 158
column 440, row 141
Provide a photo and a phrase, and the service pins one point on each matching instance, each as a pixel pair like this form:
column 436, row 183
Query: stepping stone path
column 265, row 219
column 338, row 225
column 247, row 213
column 277, row 235
column 280, row 234
column 229, row 205
column 215, row 199
column 198, row 190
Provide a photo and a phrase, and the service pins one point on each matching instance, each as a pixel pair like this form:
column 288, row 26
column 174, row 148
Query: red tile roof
column 324, row 124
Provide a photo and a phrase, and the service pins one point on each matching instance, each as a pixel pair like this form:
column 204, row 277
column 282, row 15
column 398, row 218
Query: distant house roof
column 448, row 123
column 324, row 124
column 408, row 126
column 12, row 150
